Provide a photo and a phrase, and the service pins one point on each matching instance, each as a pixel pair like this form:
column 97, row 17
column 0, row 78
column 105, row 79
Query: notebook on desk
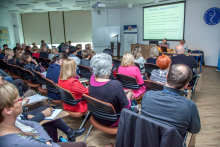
column 36, row 98
column 54, row 114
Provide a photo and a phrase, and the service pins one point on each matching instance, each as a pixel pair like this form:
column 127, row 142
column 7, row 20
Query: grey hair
column 179, row 49
column 154, row 52
column 101, row 64
column 64, row 47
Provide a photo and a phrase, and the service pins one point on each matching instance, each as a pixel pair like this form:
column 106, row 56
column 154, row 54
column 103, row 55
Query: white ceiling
column 40, row 4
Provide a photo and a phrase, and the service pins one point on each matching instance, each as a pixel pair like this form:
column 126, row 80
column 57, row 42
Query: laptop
column 164, row 49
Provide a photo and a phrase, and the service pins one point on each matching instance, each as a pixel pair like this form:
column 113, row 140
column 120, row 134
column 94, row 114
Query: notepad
column 83, row 80
column 54, row 114
column 36, row 98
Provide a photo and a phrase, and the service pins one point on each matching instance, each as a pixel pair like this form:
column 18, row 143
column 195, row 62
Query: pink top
column 133, row 71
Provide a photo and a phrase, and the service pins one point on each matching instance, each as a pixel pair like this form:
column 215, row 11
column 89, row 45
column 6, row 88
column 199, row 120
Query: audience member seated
column 54, row 51
column 159, row 75
column 159, row 49
column 113, row 70
column 67, row 81
column 154, row 53
column 10, row 56
column 44, row 53
column 164, row 43
column 53, row 72
column 79, row 49
column 8, row 52
column 73, row 56
column 169, row 106
column 35, row 52
column 18, row 54
column 65, row 49
column 85, row 58
column 104, row 89
column 43, row 43
column 29, row 63
column 5, row 46
column 181, row 58
column 5, row 76
column 28, row 50
column 23, row 46
column 139, row 58
column 1, row 53
column 18, row 45
column 20, row 133
column 34, row 44
column 183, row 43
column 128, row 68
column 89, row 47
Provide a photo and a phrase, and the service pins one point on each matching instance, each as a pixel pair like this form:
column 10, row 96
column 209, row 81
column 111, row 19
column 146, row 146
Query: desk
column 62, row 114
column 194, row 55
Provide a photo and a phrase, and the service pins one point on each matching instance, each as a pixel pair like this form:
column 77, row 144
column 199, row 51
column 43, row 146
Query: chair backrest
column 39, row 78
column 37, row 59
column 85, row 71
column 150, row 85
column 1, row 63
column 66, row 96
column 145, row 132
column 116, row 62
column 151, row 66
column 48, row 60
column 137, row 64
column 20, row 72
column 79, row 56
column 128, row 81
column 101, row 109
column 12, row 68
column 197, row 51
column 43, row 62
column 51, row 88
column 29, row 75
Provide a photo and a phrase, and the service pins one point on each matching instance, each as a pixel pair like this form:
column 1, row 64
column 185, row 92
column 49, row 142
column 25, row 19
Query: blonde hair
column 127, row 60
column 79, row 46
column 54, row 50
column 68, row 69
column 137, row 52
column 86, row 53
column 154, row 52
column 43, row 47
column 35, row 48
column 18, row 52
column 8, row 93
column 88, row 46
column 8, row 51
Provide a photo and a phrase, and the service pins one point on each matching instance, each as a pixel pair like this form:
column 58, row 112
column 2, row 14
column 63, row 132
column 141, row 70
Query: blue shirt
column 2, row 56
column 46, row 45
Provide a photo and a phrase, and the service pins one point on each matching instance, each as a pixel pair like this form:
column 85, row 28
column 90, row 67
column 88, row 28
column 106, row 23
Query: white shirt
column 141, row 61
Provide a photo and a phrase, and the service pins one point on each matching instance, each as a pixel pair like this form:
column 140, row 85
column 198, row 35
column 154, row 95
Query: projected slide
column 164, row 21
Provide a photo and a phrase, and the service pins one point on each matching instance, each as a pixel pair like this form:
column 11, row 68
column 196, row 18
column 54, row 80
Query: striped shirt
column 159, row 76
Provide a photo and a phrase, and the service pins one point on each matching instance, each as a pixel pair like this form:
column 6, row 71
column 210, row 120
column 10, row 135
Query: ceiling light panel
column 14, row 11
column 82, row 3
column 63, row 9
column 54, row 4
column 39, row 10
column 25, row 6
column 111, row 0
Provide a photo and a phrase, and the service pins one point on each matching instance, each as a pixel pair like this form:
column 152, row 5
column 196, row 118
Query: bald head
column 180, row 49
column 179, row 76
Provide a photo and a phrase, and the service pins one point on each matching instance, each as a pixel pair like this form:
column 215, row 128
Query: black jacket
column 44, row 55
column 183, row 59
column 136, row 130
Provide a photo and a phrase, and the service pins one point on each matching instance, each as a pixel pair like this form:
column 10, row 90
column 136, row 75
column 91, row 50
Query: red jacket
column 77, row 90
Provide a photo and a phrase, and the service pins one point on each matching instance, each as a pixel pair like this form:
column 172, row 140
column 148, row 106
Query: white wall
column 7, row 21
column 198, row 35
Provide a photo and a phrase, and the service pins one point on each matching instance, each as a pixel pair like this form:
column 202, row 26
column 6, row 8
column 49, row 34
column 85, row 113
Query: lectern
column 118, row 49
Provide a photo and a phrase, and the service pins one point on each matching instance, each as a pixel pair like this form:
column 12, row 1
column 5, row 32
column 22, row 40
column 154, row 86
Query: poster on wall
column 130, row 37
column 4, row 36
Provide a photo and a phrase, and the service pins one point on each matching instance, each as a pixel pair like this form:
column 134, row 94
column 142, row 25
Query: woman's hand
column 48, row 112
column 130, row 95
column 35, row 62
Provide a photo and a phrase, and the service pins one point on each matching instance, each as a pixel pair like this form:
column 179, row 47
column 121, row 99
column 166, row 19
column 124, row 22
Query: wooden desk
column 62, row 114
column 145, row 49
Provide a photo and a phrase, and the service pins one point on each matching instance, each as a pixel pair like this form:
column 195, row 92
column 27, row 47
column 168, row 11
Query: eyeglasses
column 20, row 99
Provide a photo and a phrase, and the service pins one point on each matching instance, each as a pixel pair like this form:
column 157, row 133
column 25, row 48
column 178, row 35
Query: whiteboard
column 103, row 36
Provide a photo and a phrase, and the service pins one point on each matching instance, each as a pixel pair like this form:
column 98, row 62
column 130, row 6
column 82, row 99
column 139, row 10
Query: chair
column 193, row 88
column 129, row 83
column 52, row 89
column 31, row 79
column 68, row 98
column 137, row 64
column 101, row 110
column 40, row 80
column 79, row 56
column 135, row 130
column 85, row 71
column 116, row 62
column 149, row 67
column 43, row 62
column 150, row 85
column 199, row 58
column 14, row 73
column 21, row 73
column 48, row 60
column 37, row 59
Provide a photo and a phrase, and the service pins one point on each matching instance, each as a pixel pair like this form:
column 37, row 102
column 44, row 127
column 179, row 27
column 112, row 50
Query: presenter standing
column 164, row 43
column 183, row 43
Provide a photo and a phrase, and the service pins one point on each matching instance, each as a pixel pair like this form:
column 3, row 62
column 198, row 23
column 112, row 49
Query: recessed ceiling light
column 39, row 10
column 63, row 9
column 54, row 4
column 82, row 3
column 25, row 6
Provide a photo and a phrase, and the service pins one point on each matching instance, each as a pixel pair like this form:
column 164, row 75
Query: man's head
column 42, row 41
column 65, row 48
column 5, row 46
column 23, row 46
column 164, row 40
column 180, row 49
column 72, row 50
column 179, row 76
column 18, row 45
column 182, row 42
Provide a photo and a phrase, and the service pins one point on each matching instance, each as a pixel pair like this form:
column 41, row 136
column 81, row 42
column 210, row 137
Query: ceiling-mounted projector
column 98, row 5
